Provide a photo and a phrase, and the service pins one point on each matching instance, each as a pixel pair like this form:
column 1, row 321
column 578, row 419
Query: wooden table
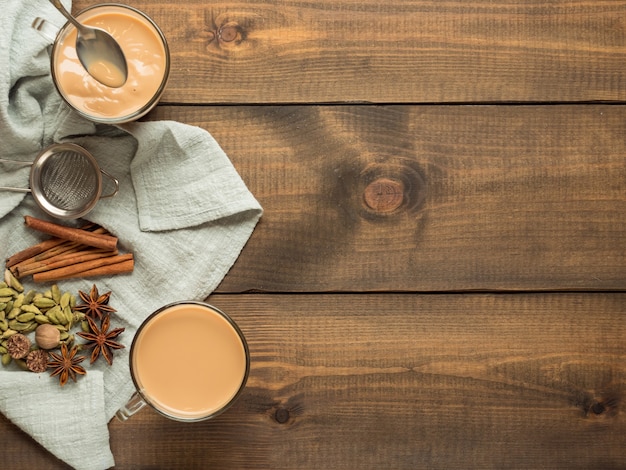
column 438, row 280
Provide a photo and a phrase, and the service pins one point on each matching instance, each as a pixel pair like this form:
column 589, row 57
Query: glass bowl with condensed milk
column 147, row 58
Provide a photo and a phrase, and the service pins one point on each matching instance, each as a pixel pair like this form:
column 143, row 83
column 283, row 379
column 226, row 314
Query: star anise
column 101, row 339
column 65, row 365
column 95, row 305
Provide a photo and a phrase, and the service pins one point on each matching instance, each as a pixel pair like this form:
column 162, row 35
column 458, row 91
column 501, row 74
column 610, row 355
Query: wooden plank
column 420, row 198
column 403, row 381
column 409, row 381
column 422, row 51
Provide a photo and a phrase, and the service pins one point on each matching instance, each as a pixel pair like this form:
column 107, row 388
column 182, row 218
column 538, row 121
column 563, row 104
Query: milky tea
column 147, row 58
column 189, row 361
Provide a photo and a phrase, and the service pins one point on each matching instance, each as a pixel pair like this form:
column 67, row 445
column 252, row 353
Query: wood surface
column 477, row 197
column 438, row 279
column 405, row 381
column 396, row 51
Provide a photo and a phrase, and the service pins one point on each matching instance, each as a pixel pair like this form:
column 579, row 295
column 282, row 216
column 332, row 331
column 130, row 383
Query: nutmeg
column 47, row 336
column 37, row 360
column 18, row 346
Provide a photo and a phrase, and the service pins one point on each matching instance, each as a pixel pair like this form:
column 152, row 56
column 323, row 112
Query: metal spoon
column 99, row 53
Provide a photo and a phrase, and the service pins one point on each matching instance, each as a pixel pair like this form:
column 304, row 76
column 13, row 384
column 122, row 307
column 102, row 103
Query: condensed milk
column 147, row 57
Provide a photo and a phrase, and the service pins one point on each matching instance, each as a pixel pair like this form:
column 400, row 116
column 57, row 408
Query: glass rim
column 143, row 110
column 235, row 327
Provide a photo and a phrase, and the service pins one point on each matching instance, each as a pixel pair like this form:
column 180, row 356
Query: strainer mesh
column 69, row 180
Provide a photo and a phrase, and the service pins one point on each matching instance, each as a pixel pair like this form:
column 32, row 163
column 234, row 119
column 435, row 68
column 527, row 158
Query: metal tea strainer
column 65, row 181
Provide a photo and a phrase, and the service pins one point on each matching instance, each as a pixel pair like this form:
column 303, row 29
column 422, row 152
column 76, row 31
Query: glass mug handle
column 131, row 407
column 46, row 29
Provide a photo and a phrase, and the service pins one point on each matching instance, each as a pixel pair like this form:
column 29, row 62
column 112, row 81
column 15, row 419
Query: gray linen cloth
column 182, row 209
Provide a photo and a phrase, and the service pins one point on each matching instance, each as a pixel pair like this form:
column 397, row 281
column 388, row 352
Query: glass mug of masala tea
column 147, row 58
column 189, row 361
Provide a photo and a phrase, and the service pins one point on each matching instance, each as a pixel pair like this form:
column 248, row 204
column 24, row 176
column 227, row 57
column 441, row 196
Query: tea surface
column 189, row 361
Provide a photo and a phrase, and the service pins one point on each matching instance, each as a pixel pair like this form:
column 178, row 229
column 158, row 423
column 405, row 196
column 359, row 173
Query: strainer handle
column 115, row 182
column 17, row 162
column 10, row 188
column 17, row 190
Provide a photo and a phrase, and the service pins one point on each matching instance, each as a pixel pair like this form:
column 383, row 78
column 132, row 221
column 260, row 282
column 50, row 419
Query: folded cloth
column 182, row 209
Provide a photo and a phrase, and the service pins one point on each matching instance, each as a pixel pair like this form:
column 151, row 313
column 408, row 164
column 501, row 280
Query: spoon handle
column 59, row 6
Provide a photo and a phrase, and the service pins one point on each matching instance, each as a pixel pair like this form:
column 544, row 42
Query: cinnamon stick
column 45, row 246
column 99, row 267
column 65, row 247
column 110, row 270
column 106, row 242
column 62, row 260
column 33, row 251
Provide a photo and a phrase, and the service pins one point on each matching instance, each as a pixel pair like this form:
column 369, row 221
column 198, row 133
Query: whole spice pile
column 37, row 328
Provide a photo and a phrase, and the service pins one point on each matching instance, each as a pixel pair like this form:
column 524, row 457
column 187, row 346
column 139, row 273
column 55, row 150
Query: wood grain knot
column 606, row 407
column 282, row 415
column 230, row 32
column 224, row 33
column 384, row 195
column 598, row 408
column 388, row 188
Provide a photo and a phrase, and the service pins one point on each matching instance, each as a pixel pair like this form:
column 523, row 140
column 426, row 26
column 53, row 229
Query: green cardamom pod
column 65, row 300
column 4, row 325
column 60, row 314
column 21, row 327
column 9, row 306
column 53, row 314
column 8, row 292
column 8, row 333
column 21, row 364
column 6, row 359
column 3, row 315
column 12, row 281
column 14, row 313
column 5, row 299
column 16, row 284
column 4, row 284
column 29, row 296
column 26, row 317
column 41, row 319
column 78, row 316
column 44, row 302
column 56, row 293
column 3, row 306
column 84, row 325
column 72, row 301
column 19, row 301
column 61, row 328
column 31, row 308
column 3, row 350
column 64, row 335
column 69, row 316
